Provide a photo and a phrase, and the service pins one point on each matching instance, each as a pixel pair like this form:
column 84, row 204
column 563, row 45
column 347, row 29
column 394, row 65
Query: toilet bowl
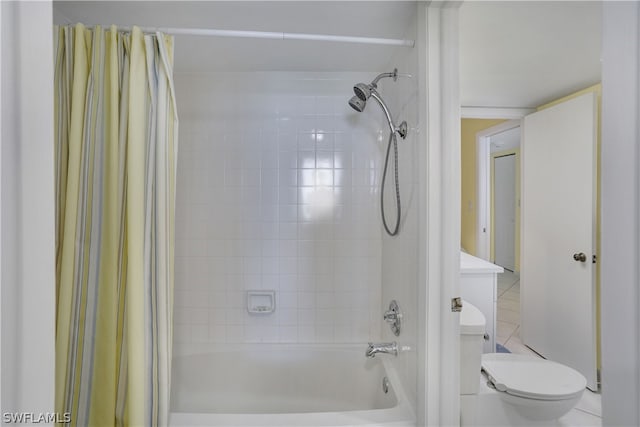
column 499, row 389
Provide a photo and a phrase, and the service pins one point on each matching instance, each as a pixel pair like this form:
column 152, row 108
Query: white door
column 558, row 222
column 504, row 213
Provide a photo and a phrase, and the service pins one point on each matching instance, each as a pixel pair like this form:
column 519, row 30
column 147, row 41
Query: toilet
column 504, row 389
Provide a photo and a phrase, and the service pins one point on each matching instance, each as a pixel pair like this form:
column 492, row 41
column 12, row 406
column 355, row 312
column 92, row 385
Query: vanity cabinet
column 478, row 285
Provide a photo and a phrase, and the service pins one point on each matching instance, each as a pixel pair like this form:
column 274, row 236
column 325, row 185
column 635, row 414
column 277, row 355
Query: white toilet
column 499, row 389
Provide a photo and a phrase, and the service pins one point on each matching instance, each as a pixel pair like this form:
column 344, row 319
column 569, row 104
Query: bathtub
column 285, row 385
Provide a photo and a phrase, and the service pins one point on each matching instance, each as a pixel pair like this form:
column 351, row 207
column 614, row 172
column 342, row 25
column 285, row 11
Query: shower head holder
column 402, row 129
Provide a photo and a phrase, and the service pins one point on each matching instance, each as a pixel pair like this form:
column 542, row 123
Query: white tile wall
column 277, row 189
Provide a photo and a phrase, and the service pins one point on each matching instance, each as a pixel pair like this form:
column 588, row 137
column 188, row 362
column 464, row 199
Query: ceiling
column 522, row 54
column 516, row 54
column 507, row 140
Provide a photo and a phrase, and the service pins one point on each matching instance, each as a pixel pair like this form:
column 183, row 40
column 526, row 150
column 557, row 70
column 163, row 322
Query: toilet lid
column 532, row 377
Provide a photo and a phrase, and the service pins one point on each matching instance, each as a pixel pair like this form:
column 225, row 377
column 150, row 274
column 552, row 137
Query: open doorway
column 504, row 210
column 498, row 145
column 505, row 200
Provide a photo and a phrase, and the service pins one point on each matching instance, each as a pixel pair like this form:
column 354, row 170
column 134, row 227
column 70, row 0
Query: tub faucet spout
column 387, row 347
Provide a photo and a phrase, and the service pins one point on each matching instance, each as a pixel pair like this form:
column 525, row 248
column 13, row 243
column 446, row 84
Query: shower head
column 362, row 91
column 357, row 104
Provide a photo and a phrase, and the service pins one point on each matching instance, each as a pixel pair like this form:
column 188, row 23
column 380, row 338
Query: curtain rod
column 274, row 35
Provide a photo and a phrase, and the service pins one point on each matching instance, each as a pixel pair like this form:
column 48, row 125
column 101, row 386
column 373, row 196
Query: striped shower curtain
column 116, row 147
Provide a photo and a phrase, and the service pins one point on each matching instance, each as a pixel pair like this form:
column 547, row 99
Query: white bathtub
column 285, row 385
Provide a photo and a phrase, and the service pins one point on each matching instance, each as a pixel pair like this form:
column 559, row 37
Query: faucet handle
column 390, row 316
column 393, row 316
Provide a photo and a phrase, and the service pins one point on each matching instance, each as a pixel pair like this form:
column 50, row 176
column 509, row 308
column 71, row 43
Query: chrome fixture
column 393, row 317
column 365, row 91
column 456, row 304
column 388, row 348
column 580, row 257
column 358, row 102
column 385, row 385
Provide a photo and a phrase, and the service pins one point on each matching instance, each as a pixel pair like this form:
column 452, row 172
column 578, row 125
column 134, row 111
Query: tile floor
column 588, row 411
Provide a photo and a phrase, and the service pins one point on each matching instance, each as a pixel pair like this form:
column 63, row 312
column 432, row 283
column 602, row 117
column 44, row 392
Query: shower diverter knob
column 393, row 317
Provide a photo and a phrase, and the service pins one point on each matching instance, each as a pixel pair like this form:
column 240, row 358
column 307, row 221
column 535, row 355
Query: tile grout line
column 586, row 412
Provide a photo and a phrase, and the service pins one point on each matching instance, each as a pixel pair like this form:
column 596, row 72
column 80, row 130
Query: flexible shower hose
column 392, row 137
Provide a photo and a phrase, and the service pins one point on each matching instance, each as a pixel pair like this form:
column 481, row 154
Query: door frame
column 483, row 185
column 27, row 200
column 620, row 189
column 439, row 106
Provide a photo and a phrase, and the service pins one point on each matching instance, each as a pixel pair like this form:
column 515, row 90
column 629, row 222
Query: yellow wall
column 469, row 129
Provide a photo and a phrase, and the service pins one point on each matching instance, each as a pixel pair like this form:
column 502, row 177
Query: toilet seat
column 531, row 377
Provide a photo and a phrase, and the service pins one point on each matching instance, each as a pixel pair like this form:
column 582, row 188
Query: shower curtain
column 116, row 147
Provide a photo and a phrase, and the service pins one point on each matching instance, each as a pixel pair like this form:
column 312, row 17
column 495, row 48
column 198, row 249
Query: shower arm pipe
column 211, row 32
column 393, row 74
column 392, row 125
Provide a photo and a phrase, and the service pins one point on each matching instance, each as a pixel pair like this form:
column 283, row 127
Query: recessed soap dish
column 261, row 302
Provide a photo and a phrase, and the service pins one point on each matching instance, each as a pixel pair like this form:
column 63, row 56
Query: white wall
column 277, row 190
column 27, row 204
column 620, row 297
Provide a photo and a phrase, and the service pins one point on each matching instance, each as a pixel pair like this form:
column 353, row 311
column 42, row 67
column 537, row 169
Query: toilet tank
column 472, row 327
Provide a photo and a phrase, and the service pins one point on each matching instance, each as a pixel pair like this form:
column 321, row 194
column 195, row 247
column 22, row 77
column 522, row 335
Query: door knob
column 580, row 257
